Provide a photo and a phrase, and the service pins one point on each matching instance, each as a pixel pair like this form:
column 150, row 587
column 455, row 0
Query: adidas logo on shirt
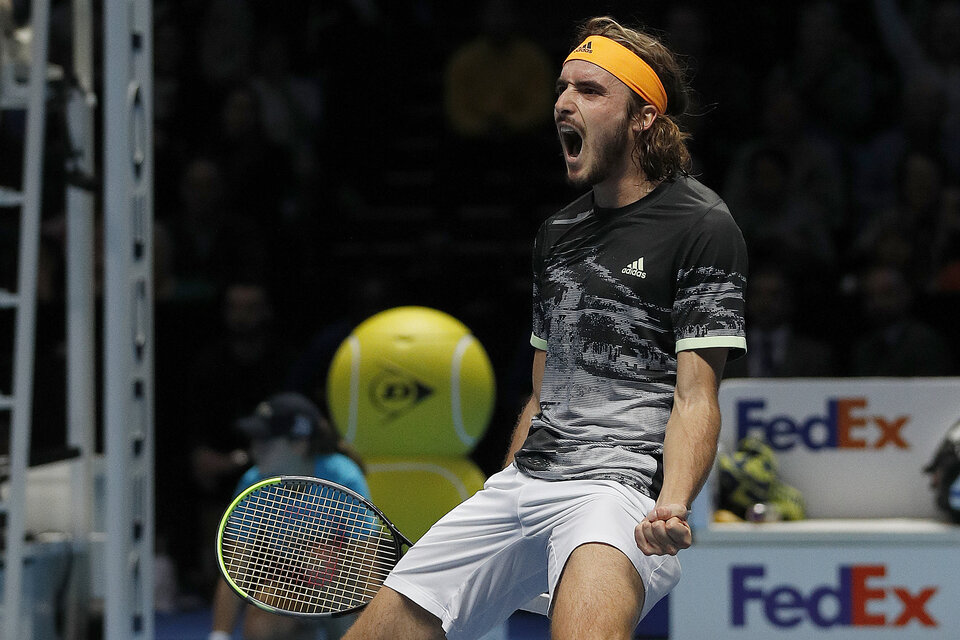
column 635, row 268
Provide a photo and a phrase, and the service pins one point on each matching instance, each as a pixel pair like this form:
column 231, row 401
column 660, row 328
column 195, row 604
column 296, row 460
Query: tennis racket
column 306, row 547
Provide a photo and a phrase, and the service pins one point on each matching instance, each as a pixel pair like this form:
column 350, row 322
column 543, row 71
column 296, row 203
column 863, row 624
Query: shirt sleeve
column 353, row 478
column 538, row 338
column 342, row 470
column 708, row 309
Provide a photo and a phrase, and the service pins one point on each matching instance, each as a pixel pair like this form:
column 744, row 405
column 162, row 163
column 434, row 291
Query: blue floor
column 195, row 625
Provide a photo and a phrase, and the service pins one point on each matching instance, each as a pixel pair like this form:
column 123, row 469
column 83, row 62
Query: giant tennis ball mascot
column 411, row 381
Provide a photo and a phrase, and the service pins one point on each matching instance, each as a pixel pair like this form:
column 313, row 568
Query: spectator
column 933, row 54
column 498, row 89
column 830, row 72
column 895, row 342
column 499, row 83
column 723, row 91
column 368, row 295
column 246, row 362
column 919, row 127
column 776, row 348
column 907, row 235
column 256, row 172
column 291, row 106
column 226, row 42
column 210, row 242
column 947, row 243
column 815, row 171
column 175, row 103
column 289, row 436
column 772, row 211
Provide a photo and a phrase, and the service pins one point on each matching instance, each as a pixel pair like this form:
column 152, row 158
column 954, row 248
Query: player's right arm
column 530, row 409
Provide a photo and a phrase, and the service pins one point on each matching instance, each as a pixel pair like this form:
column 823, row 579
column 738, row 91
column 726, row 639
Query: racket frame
column 399, row 540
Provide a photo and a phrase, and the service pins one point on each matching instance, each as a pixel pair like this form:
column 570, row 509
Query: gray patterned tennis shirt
column 617, row 294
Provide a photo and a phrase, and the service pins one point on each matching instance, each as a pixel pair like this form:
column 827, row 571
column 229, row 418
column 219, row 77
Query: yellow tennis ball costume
column 411, row 381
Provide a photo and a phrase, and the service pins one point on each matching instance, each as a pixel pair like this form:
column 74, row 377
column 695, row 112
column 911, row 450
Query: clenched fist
column 664, row 531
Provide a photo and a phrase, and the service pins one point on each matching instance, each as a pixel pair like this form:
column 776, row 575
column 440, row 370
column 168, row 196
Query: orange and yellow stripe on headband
column 627, row 66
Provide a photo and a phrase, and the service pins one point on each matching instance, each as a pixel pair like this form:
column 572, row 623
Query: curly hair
column 661, row 150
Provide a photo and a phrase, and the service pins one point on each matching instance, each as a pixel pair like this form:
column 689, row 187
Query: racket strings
column 307, row 549
column 297, row 570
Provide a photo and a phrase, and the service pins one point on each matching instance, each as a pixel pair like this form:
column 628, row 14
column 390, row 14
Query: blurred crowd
column 318, row 163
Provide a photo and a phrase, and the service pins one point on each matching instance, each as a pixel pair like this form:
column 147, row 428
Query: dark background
column 832, row 149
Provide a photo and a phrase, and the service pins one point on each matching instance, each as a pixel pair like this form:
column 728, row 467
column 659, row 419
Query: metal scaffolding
column 128, row 317
column 127, row 512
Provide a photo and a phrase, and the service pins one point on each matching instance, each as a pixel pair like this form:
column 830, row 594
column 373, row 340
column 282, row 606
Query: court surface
column 195, row 625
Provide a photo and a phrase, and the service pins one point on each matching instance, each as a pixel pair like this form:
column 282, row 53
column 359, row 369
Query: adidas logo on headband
column 586, row 47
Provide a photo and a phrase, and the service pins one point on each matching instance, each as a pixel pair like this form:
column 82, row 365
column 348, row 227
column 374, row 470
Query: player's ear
column 644, row 119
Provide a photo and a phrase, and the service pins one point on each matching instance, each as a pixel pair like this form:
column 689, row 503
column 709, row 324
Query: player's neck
column 623, row 190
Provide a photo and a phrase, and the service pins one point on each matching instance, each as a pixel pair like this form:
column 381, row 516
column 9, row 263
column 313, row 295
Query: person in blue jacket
column 288, row 436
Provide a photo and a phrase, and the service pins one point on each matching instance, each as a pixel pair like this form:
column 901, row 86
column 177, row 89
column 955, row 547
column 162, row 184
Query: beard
column 609, row 151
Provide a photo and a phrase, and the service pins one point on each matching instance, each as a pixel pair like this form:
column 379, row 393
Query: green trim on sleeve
column 538, row 342
column 709, row 342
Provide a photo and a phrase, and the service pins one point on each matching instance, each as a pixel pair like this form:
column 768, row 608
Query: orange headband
column 627, row 66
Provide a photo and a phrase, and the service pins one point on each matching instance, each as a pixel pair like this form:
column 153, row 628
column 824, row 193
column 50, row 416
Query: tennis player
column 638, row 301
column 288, row 436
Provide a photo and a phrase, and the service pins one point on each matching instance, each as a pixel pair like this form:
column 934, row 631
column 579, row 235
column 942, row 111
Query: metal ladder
column 18, row 400
column 127, row 506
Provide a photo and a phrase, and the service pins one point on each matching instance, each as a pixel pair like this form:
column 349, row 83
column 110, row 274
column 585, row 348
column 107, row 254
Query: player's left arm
column 689, row 448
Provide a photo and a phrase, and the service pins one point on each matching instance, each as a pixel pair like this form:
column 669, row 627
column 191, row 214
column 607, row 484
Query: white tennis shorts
column 510, row 542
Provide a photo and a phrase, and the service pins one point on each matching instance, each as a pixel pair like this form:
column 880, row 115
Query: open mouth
column 571, row 140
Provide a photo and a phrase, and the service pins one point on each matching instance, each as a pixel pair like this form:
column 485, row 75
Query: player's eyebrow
column 580, row 85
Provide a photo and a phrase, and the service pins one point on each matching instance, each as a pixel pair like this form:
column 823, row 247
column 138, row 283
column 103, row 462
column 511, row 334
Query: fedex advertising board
column 856, row 448
column 873, row 591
